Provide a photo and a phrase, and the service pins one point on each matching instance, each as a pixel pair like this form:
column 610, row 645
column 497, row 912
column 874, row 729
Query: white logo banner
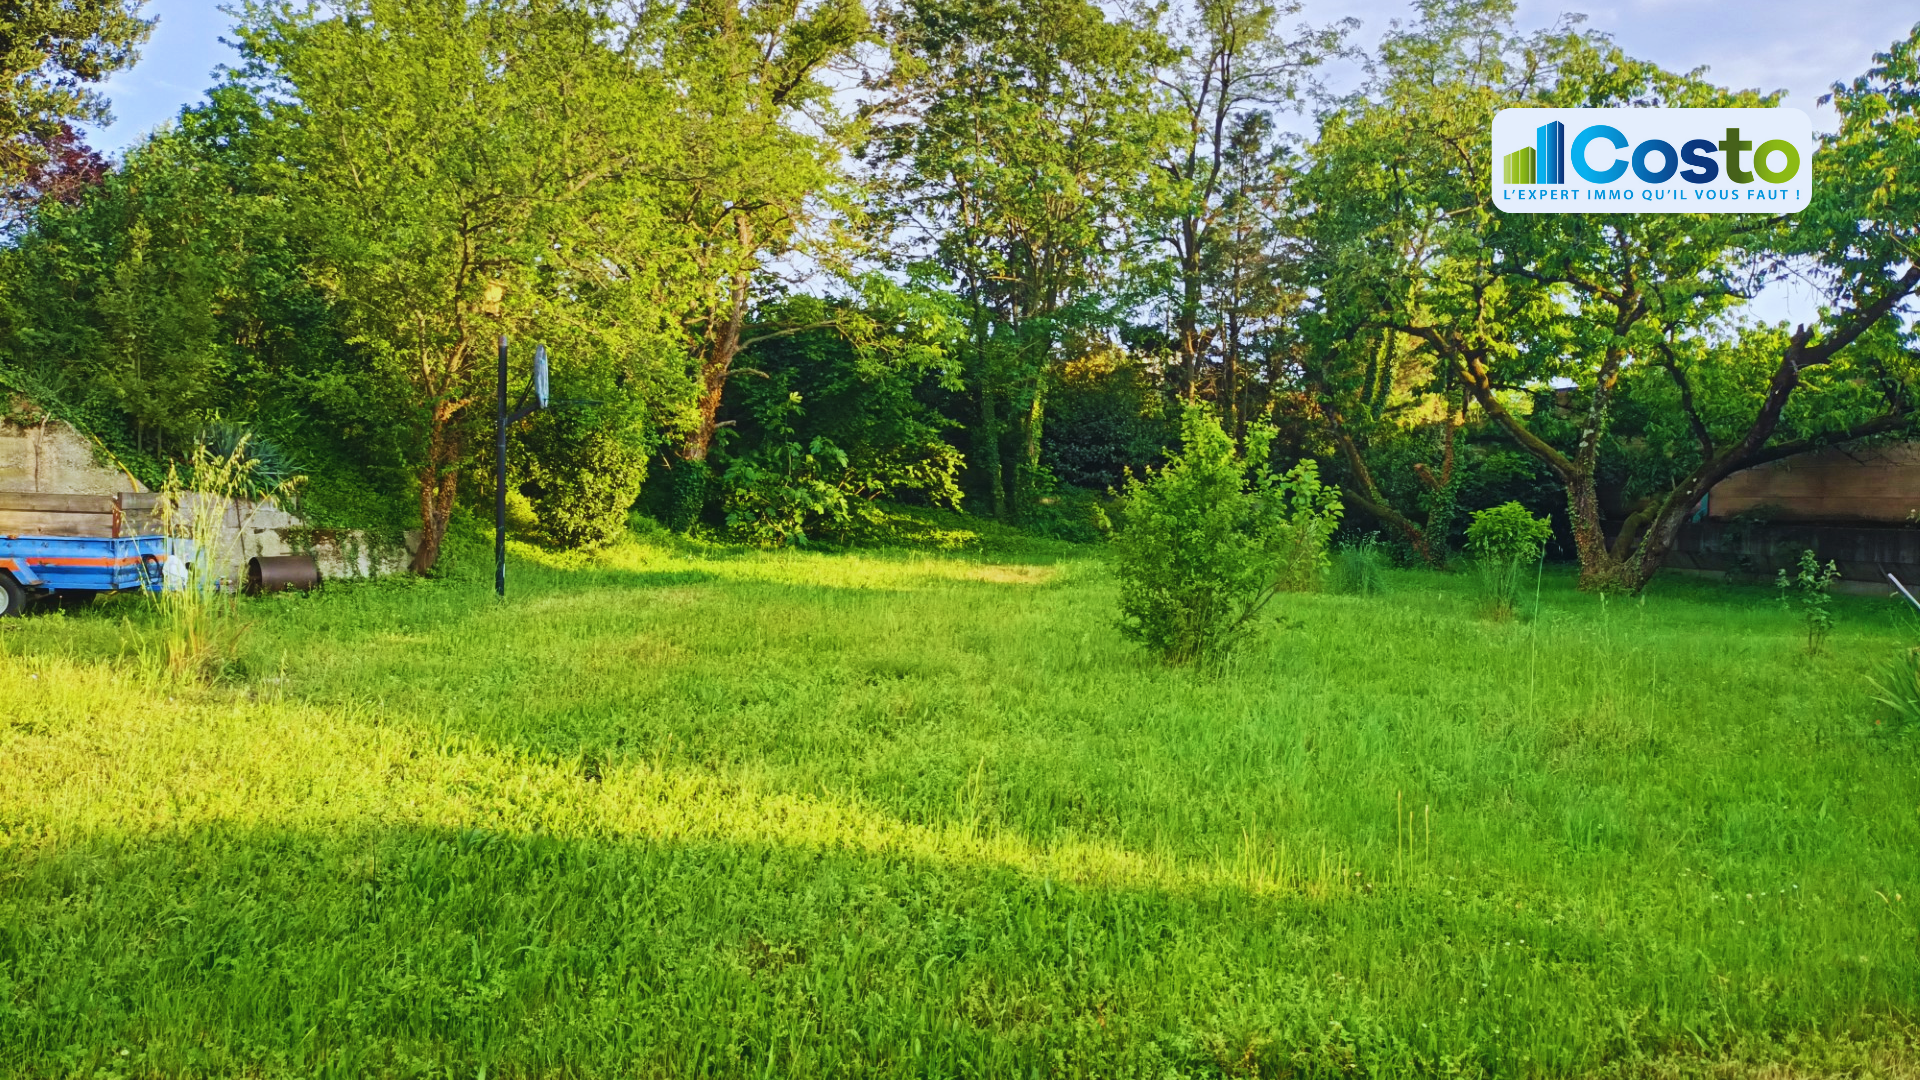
column 1652, row 161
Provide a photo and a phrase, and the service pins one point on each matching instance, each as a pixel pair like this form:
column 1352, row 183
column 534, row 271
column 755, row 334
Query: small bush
column 582, row 480
column 1507, row 542
column 1360, row 568
column 1810, row 590
column 1209, row 539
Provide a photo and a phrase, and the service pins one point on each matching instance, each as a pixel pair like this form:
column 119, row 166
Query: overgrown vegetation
column 991, row 274
column 677, row 809
column 713, row 793
column 1360, row 567
column 203, row 513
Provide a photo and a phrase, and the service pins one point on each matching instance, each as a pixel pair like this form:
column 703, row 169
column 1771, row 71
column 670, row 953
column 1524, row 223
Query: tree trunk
column 1030, row 431
column 986, row 440
column 1600, row 569
column 723, row 345
column 439, row 481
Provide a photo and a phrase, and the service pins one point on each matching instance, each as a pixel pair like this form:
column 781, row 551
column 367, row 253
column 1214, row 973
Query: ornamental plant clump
column 1360, row 568
column 1208, row 540
column 200, row 634
column 1810, row 590
column 1506, row 542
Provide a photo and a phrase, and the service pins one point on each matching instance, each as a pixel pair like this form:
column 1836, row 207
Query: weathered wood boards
column 28, row 513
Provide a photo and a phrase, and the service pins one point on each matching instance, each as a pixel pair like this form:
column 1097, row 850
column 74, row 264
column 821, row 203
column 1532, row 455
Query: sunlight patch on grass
column 110, row 754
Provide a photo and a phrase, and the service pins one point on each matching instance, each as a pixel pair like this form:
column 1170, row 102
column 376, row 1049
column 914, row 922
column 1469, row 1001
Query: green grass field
column 691, row 812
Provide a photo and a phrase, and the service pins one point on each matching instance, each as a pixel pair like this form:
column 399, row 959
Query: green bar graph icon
column 1518, row 167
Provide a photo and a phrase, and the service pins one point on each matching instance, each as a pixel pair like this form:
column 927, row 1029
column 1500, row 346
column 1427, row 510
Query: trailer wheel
column 13, row 598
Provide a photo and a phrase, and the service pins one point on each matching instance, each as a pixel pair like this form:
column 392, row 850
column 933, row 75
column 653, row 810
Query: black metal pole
column 500, row 480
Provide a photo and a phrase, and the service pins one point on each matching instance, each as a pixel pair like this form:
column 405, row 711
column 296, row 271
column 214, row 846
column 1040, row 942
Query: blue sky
column 1801, row 45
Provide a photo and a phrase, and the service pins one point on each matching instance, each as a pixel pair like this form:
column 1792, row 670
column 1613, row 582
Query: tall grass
column 203, row 515
column 702, row 812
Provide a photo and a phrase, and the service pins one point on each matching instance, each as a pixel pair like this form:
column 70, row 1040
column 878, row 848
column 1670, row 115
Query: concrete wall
column 50, row 466
column 53, row 459
column 255, row 529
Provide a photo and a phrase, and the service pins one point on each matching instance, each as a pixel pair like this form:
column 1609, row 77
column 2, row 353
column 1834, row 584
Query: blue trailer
column 77, row 567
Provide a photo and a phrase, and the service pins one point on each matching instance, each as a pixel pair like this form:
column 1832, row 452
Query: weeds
column 1810, row 591
column 1900, row 693
column 1360, row 568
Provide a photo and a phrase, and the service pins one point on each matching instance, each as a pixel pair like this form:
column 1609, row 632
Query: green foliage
column 1206, row 542
column 203, row 513
column 1013, row 136
column 774, row 494
column 50, row 51
column 1360, row 568
column 385, row 110
column 581, row 478
column 1107, row 417
column 1507, row 542
column 1809, row 591
column 1900, row 693
column 837, row 419
column 1509, row 533
column 270, row 470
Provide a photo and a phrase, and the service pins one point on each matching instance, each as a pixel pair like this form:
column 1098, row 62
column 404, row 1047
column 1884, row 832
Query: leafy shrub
column 775, row 493
column 1360, row 568
column 1209, row 539
column 581, row 479
column 1810, row 589
column 1506, row 542
column 791, row 492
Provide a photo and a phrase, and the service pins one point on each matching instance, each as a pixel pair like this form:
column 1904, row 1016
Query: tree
column 759, row 145
column 1387, row 204
column 467, row 170
column 1009, row 140
column 1222, row 170
column 1506, row 305
column 50, row 51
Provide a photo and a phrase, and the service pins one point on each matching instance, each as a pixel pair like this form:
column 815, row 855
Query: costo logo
column 1672, row 161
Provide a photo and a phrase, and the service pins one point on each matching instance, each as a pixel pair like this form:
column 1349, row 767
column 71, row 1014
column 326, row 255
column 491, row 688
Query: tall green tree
column 1222, row 171
column 754, row 163
column 468, row 169
column 1011, row 144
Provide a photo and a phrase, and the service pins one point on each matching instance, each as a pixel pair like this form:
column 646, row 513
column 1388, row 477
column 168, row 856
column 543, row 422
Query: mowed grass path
column 709, row 814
